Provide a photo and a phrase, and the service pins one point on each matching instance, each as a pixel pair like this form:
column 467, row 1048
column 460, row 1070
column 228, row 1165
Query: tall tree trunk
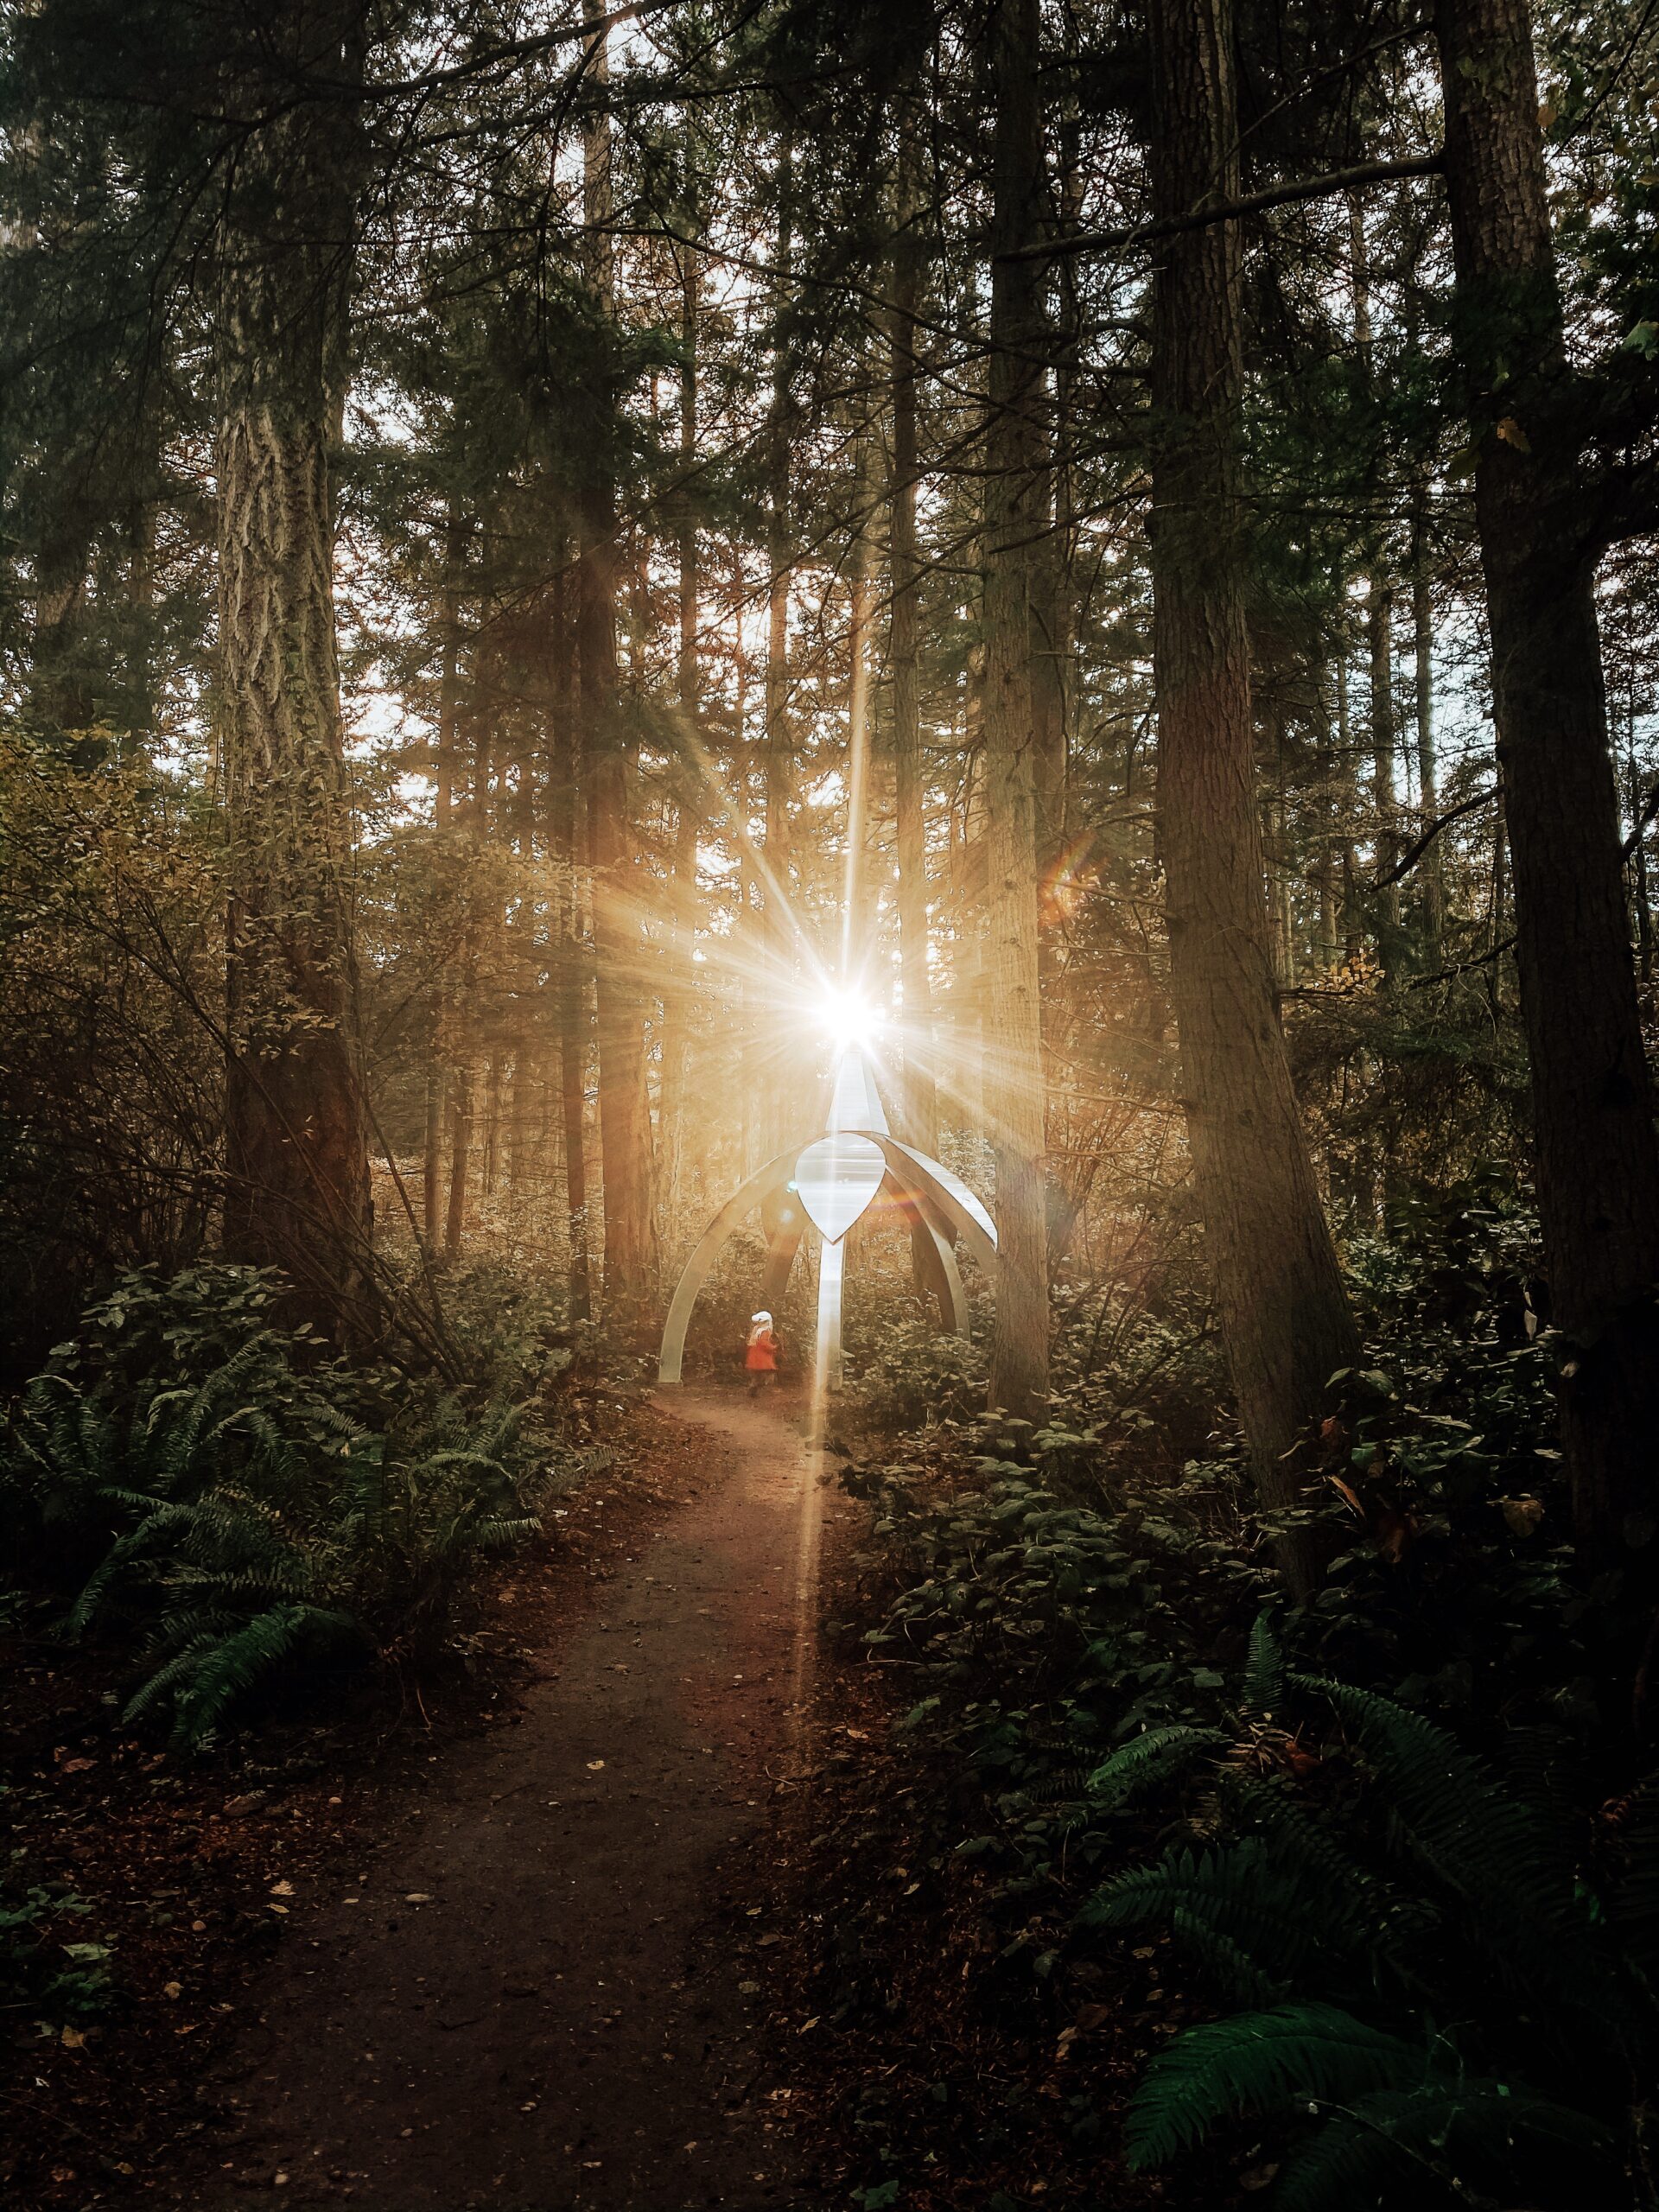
column 857, row 936
column 1592, row 1112
column 1428, row 783
column 1284, row 1315
column 461, row 1153
column 678, row 993
column 1385, row 740
column 771, row 1107
column 569, row 967
column 624, row 1112
column 921, row 1094
column 1015, row 460
column 1640, row 898
column 1330, row 860
column 1352, row 931
column 297, row 1189
column 432, row 1156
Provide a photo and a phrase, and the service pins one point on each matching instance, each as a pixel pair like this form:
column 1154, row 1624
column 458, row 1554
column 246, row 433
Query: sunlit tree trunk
column 444, row 754
column 678, row 989
column 618, row 955
column 569, row 967
column 1593, row 1110
column 1015, row 460
column 921, row 1096
column 1283, row 1312
column 857, row 929
column 774, row 1112
column 1385, row 740
column 297, row 1190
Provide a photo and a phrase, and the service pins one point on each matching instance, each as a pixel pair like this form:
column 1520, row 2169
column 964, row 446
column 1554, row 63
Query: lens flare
column 846, row 1017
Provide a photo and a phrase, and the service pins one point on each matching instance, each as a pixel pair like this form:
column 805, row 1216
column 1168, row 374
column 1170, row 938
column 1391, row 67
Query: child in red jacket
column 760, row 1357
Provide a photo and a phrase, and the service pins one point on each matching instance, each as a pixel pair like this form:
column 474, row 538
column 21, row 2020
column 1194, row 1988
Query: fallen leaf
column 281, row 1888
column 76, row 1766
column 73, row 2039
column 594, row 1765
column 173, row 1989
column 417, row 1896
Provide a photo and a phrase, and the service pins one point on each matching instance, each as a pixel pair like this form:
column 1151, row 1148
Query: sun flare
column 846, row 1016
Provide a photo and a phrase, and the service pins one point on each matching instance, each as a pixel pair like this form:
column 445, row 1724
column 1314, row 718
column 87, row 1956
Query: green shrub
column 1040, row 1632
column 1448, row 1995
column 58, row 1983
column 243, row 1508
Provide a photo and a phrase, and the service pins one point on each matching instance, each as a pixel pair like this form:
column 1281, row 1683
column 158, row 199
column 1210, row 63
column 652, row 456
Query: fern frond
column 1274, row 1925
column 1477, row 1839
column 1149, row 1760
column 1263, row 1687
column 230, row 1666
column 1260, row 2062
column 1480, row 2141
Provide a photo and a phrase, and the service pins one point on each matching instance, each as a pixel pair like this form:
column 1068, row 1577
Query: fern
column 1503, row 1861
column 1462, row 2142
column 1264, row 1670
column 217, row 1495
column 1152, row 1760
column 1636, row 1906
column 1266, row 1918
column 232, row 1665
column 1262, row 2064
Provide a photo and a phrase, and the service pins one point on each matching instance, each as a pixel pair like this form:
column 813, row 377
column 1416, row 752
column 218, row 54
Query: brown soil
column 529, row 2000
column 498, row 1952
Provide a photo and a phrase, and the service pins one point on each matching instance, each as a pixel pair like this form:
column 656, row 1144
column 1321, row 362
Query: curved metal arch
column 914, row 1174
column 774, row 1176
column 936, row 1255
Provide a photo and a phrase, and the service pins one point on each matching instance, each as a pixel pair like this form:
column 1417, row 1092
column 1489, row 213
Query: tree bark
column 1385, row 742
column 772, row 1107
column 1428, row 783
column 623, row 1111
column 1014, row 458
column 1283, row 1312
column 1593, row 1111
column 569, row 962
column 920, row 1088
column 677, row 994
column 298, row 1188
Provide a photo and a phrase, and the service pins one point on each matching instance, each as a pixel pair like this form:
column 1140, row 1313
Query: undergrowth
column 211, row 1489
column 1370, row 1824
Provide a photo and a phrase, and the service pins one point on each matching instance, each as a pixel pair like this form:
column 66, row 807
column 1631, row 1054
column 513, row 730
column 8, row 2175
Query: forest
column 829, row 1193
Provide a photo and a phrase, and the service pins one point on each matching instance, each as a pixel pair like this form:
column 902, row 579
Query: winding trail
column 523, row 2006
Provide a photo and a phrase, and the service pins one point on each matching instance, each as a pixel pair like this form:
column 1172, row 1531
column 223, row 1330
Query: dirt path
column 520, row 2006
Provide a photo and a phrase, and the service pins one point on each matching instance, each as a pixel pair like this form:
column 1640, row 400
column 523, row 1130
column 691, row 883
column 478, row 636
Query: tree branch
column 1274, row 195
column 1412, row 854
column 1649, row 808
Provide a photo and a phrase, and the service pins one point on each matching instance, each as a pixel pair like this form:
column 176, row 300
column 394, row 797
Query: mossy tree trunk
column 298, row 1188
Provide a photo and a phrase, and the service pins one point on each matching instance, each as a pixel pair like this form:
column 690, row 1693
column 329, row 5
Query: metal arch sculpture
column 836, row 1179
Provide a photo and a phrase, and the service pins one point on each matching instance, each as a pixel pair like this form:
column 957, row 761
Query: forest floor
column 624, row 1919
column 530, row 1998
column 503, row 1959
